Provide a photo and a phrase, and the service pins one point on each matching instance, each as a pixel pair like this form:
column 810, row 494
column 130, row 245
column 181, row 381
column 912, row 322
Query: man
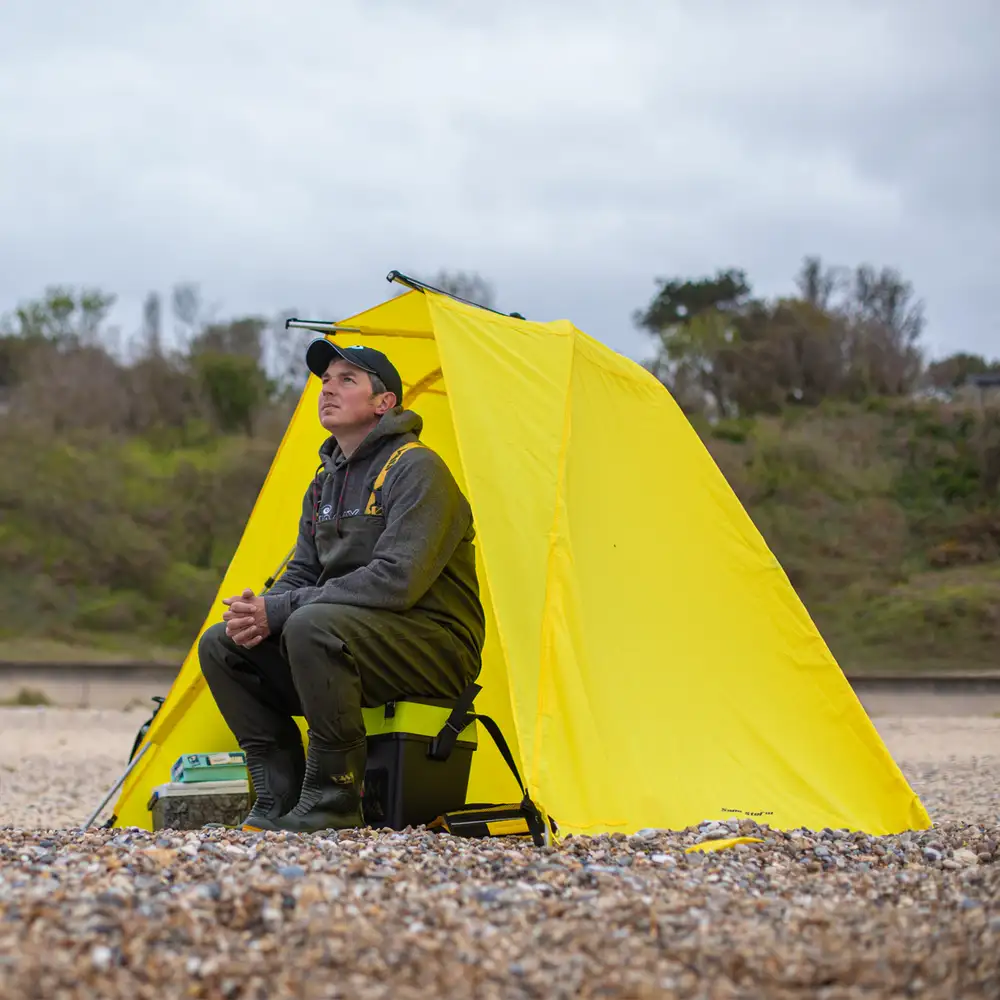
column 380, row 601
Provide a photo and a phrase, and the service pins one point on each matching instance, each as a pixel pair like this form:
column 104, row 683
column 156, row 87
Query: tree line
column 848, row 334
column 62, row 369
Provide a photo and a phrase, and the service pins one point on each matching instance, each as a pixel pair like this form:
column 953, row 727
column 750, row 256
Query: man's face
column 346, row 399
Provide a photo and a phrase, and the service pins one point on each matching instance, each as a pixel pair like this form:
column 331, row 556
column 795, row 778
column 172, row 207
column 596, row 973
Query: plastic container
column 190, row 805
column 403, row 786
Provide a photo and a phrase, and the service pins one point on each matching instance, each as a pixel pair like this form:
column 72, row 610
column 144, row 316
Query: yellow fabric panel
column 507, row 383
column 490, row 779
column 189, row 718
column 402, row 314
column 682, row 679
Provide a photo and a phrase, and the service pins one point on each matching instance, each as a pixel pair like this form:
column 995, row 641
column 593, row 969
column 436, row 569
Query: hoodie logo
column 326, row 513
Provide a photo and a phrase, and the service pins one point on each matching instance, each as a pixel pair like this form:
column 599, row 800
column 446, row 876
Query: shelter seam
column 553, row 541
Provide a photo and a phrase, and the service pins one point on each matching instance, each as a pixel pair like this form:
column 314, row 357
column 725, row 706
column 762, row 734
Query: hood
column 393, row 423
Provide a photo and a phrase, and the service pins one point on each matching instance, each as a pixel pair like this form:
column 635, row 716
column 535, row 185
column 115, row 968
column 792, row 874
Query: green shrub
column 27, row 697
column 115, row 611
column 943, row 612
column 184, row 593
column 235, row 387
column 737, row 429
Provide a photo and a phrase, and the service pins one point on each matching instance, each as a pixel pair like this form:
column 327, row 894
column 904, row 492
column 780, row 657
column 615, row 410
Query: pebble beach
column 217, row 913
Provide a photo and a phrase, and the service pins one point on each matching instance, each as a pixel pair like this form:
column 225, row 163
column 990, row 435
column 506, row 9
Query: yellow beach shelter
column 646, row 656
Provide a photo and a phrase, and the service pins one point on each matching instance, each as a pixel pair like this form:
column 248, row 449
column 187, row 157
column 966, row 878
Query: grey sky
column 290, row 155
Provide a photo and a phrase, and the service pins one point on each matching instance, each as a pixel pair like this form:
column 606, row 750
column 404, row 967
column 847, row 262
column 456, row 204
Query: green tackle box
column 226, row 765
column 404, row 785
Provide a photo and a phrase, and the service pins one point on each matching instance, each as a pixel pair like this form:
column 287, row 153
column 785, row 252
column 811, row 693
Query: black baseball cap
column 321, row 352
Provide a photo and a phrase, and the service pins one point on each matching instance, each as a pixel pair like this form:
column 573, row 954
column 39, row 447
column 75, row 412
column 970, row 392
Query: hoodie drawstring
column 317, row 492
column 340, row 499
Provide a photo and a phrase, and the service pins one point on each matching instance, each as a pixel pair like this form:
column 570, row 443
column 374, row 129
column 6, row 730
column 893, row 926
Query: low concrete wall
column 953, row 695
column 87, row 685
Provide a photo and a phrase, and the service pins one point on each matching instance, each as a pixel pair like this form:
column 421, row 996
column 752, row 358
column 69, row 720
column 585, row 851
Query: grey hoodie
column 416, row 555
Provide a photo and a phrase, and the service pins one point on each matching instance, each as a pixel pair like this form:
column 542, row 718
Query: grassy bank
column 885, row 517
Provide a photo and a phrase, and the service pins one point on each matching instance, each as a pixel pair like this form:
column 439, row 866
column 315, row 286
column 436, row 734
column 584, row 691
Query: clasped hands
column 246, row 619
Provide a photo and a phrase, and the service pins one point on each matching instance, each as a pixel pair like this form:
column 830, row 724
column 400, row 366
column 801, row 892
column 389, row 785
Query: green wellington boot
column 277, row 777
column 331, row 791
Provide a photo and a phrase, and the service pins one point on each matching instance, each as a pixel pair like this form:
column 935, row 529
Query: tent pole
column 118, row 784
column 422, row 286
column 272, row 579
column 319, row 326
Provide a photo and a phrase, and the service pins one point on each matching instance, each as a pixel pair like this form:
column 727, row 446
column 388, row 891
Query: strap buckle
column 443, row 744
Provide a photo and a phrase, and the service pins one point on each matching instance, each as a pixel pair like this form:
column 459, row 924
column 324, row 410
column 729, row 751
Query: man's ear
column 386, row 403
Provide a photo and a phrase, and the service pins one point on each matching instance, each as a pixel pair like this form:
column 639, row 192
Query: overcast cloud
column 289, row 155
